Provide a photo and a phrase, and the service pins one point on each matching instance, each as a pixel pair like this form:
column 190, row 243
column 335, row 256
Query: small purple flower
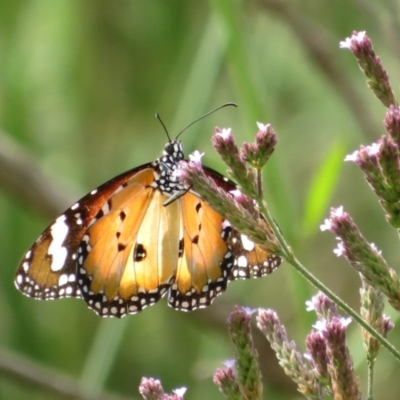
column 249, row 311
column 364, row 151
column 320, row 325
column 340, row 249
column 335, row 213
column 227, row 384
column 224, row 133
column 224, row 143
column 185, row 167
column 263, row 129
column 180, row 392
column 323, row 306
column 388, row 325
column 229, row 363
column 196, row 157
column 356, row 37
column 151, row 388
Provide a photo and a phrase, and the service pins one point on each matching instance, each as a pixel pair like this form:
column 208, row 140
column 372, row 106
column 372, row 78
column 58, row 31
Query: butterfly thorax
column 165, row 179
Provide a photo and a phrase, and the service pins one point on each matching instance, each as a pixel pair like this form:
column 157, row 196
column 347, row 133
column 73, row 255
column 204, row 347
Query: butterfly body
column 137, row 237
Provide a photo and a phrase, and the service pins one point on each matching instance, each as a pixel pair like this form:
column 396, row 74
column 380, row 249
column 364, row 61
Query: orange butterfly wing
column 128, row 256
column 203, row 268
column 48, row 269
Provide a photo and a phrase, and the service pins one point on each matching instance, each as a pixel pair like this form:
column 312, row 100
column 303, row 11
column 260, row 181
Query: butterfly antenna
column 205, row 115
column 162, row 123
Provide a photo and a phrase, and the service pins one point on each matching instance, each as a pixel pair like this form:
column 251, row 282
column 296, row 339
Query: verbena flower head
column 324, row 307
column 248, row 374
column 328, row 352
column 363, row 256
column 225, row 145
column 381, row 164
column 151, row 389
column 372, row 306
column 317, row 355
column 392, row 123
column 258, row 153
column 357, row 37
column 344, row 382
column 295, row 364
column 370, row 64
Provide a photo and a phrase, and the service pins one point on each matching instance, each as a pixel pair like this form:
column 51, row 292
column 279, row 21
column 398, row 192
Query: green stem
column 259, row 184
column 371, row 364
column 291, row 259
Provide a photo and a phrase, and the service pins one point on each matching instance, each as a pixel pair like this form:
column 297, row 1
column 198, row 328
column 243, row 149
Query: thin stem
column 371, row 365
column 371, row 370
column 259, row 184
column 291, row 259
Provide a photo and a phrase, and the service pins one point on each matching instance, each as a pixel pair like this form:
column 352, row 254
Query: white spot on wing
column 62, row 280
column 242, row 262
column 247, row 243
column 59, row 231
column 105, row 208
column 75, row 206
column 25, row 266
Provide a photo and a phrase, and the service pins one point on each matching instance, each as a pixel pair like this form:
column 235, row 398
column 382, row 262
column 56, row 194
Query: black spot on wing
column 198, row 207
column 121, row 247
column 181, row 247
column 140, row 252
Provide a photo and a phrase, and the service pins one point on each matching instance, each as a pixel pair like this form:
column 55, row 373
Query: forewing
column 48, row 269
column 128, row 256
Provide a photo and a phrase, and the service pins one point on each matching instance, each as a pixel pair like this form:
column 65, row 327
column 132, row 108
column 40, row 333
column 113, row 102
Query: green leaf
column 322, row 187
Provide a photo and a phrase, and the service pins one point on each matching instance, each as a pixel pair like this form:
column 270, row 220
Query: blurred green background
column 80, row 82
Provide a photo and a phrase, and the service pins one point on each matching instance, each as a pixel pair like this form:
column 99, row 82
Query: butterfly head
column 165, row 168
column 173, row 151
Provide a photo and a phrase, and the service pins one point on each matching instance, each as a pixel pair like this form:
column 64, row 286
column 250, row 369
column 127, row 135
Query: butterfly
column 137, row 237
